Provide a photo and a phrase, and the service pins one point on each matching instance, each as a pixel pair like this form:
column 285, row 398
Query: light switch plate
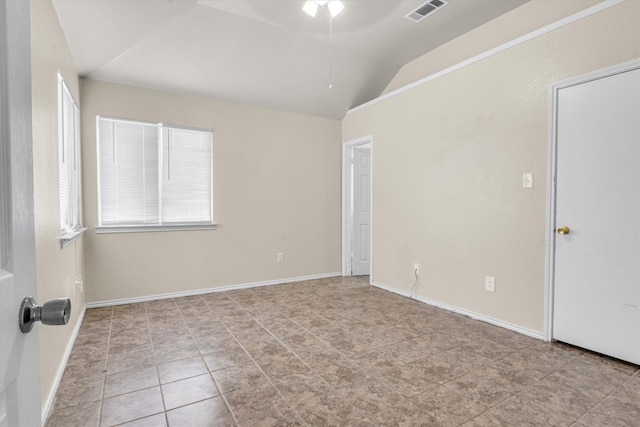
column 527, row 180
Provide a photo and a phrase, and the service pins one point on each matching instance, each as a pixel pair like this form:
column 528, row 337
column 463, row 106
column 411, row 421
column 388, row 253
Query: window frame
column 162, row 227
column 70, row 230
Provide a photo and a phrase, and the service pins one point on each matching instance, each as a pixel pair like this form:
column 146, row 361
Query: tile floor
column 332, row 352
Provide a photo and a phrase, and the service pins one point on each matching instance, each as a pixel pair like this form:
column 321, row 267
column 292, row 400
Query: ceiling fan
column 311, row 7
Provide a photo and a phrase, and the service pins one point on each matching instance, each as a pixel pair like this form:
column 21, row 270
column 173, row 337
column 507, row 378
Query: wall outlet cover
column 490, row 284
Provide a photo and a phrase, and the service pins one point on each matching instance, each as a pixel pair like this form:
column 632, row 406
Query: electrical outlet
column 490, row 284
column 79, row 284
column 279, row 257
column 416, row 268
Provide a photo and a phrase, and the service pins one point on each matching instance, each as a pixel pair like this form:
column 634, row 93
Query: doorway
column 595, row 213
column 357, row 204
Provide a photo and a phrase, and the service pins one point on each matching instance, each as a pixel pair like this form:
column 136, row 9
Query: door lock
column 54, row 312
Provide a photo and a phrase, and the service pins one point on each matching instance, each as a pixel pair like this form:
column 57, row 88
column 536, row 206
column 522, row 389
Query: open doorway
column 357, row 179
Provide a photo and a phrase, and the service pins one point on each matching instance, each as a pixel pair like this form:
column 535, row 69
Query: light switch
column 527, row 180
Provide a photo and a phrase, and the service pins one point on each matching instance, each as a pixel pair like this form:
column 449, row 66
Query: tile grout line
column 146, row 388
column 528, row 386
column 513, row 395
column 155, row 361
column 349, row 359
column 104, row 375
column 329, row 345
column 257, row 364
column 606, row 396
column 335, row 298
column 243, row 349
column 215, row 383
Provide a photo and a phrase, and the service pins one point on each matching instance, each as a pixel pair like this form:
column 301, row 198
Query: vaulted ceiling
column 261, row 52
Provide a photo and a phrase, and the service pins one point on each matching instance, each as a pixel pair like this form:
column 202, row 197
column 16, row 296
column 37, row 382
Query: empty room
column 319, row 213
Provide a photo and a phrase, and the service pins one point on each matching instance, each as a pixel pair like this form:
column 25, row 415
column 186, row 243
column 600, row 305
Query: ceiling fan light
column 310, row 8
column 320, row 2
column 335, row 7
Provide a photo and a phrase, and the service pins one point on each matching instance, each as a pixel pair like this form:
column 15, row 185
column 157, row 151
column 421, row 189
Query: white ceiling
column 261, row 52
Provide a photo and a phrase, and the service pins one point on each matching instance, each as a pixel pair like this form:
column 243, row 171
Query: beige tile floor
column 332, row 352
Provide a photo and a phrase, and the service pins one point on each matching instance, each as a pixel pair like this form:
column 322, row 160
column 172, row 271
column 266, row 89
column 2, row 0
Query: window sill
column 154, row 228
column 70, row 236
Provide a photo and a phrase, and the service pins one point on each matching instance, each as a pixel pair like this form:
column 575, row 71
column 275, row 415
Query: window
column 153, row 176
column 69, row 163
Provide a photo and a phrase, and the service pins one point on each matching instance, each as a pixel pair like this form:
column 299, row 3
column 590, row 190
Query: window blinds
column 153, row 175
column 68, row 158
column 186, row 176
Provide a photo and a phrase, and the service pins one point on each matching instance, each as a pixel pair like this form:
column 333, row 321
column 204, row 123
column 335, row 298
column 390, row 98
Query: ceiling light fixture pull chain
column 310, row 7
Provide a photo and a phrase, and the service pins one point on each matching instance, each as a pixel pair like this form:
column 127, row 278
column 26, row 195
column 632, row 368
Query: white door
column 597, row 261
column 19, row 374
column 361, row 262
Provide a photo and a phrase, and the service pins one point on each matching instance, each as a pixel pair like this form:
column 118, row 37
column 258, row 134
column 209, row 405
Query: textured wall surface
column 57, row 268
column 276, row 188
column 448, row 159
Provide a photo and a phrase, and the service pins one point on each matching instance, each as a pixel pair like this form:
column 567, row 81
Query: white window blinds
column 186, row 176
column 153, row 175
column 68, row 159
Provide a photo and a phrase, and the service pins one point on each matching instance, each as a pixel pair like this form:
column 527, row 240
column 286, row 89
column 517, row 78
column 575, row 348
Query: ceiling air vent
column 425, row 10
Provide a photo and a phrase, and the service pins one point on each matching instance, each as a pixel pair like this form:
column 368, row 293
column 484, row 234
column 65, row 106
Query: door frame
column 347, row 202
column 551, row 178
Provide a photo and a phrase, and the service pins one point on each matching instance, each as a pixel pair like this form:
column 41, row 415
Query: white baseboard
column 209, row 290
column 471, row 314
column 48, row 404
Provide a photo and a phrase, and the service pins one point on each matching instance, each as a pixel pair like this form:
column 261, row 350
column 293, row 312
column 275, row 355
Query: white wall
column 449, row 157
column 276, row 189
column 57, row 268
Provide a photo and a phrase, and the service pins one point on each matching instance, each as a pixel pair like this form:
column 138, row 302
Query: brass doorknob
column 564, row 230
